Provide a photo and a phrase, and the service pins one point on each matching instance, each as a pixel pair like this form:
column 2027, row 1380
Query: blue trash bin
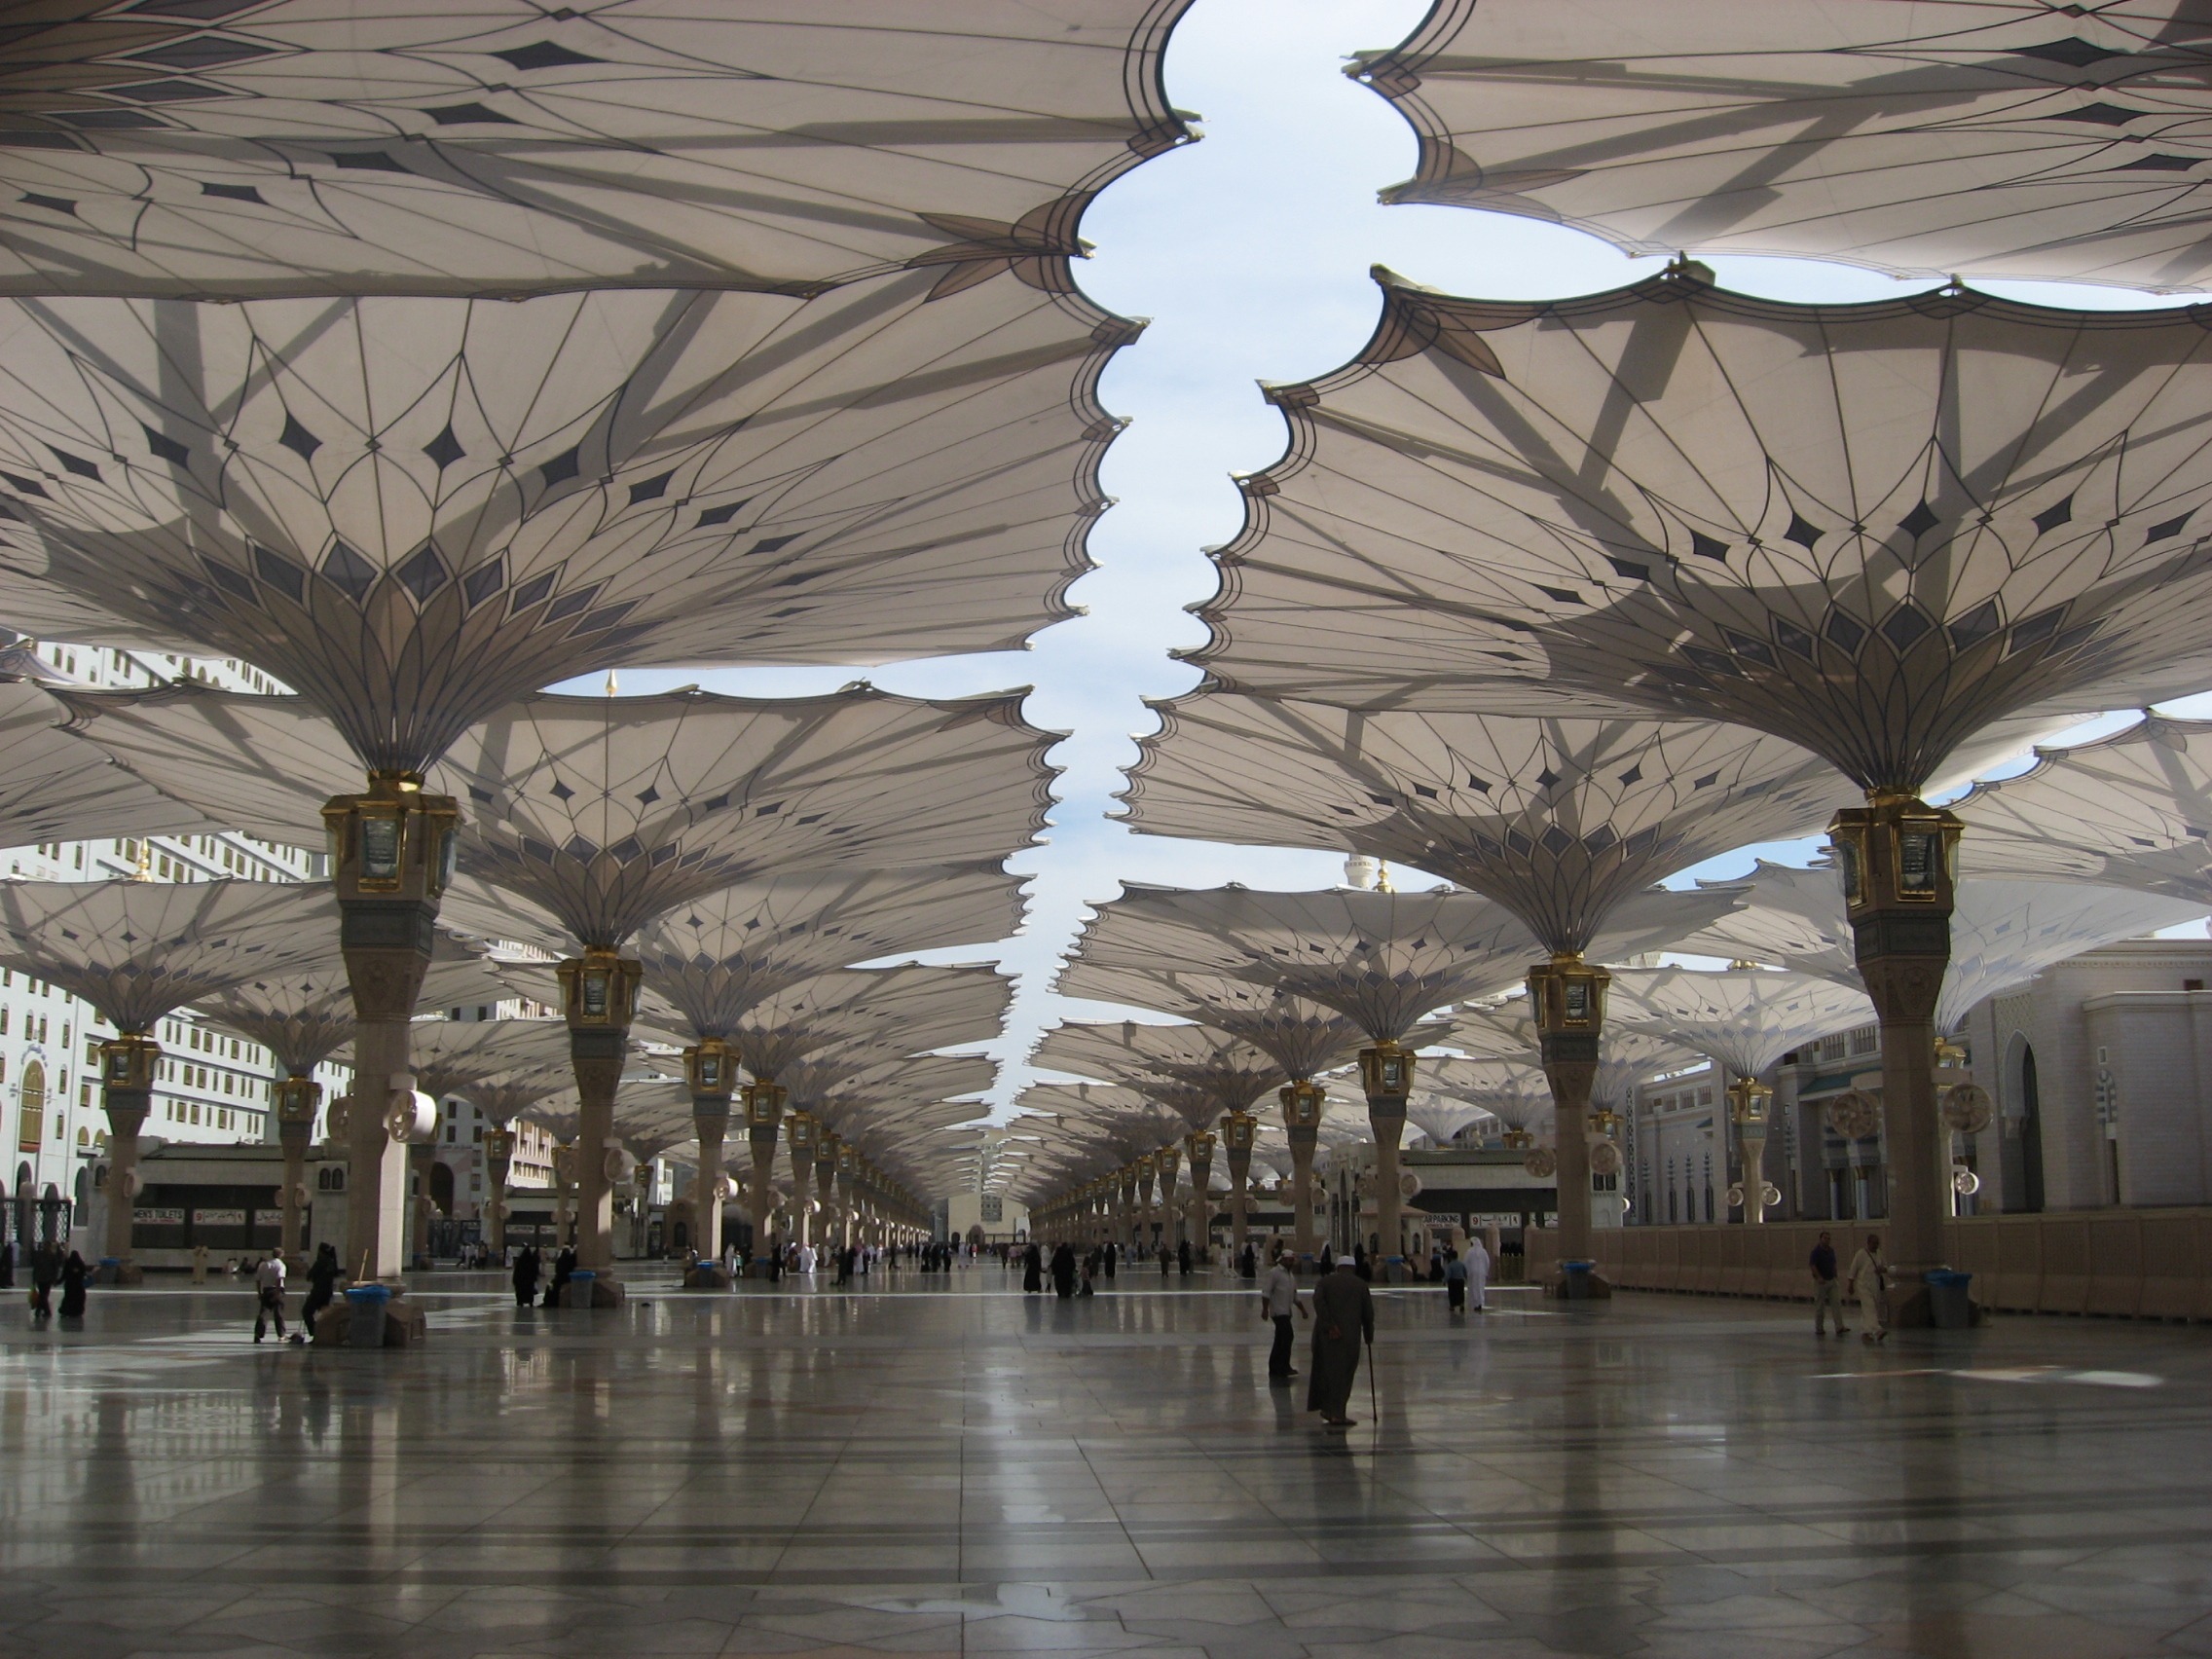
column 1576, row 1279
column 1950, row 1306
column 368, row 1303
column 578, row 1293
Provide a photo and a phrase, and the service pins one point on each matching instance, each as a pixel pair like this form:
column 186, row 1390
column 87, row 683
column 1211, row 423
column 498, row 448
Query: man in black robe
column 1344, row 1314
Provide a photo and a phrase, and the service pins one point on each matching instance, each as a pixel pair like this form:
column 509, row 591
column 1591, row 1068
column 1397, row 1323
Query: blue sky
column 1250, row 252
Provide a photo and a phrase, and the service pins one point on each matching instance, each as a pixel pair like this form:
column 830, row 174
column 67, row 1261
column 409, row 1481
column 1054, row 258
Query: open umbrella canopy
column 912, row 1009
column 1894, row 533
column 1564, row 821
column 2131, row 810
column 251, row 147
column 453, row 1056
column 306, row 1017
column 1998, row 137
column 1193, row 1069
column 58, row 787
column 413, row 511
column 1743, row 1019
column 1299, row 1035
column 2004, row 930
column 588, row 816
column 1383, row 960
column 137, row 950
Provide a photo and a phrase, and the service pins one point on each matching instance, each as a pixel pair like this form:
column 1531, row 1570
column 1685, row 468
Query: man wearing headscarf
column 1344, row 1314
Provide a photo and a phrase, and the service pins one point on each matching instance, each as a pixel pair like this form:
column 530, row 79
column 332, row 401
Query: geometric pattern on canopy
column 1562, row 820
column 1877, row 530
column 1999, row 137
column 2004, row 930
column 1514, row 1091
column 1301, row 1036
column 1743, row 1019
column 2133, row 810
column 1383, row 960
column 60, row 788
column 243, row 147
column 137, row 950
column 1192, row 1069
column 717, row 956
column 1626, row 1055
column 451, row 1056
column 856, row 1098
column 890, row 1011
column 412, row 511
column 307, row 1017
column 592, row 811
column 597, row 814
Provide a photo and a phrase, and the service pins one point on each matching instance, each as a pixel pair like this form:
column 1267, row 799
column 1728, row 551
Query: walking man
column 1455, row 1284
column 1870, row 1277
column 268, row 1297
column 1278, row 1295
column 1826, row 1302
column 1344, row 1310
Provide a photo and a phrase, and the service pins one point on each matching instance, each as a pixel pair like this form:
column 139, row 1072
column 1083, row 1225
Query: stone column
column 826, row 1189
column 392, row 852
column 563, row 1193
column 1897, row 856
column 1170, row 1159
column 763, row 1113
column 1237, row 1130
column 1198, row 1147
column 421, row 1159
column 1568, row 999
column 711, row 1068
column 801, row 1133
column 1749, row 1102
column 499, row 1164
column 848, row 1215
column 1302, row 1103
column 1387, row 1076
column 599, row 996
column 297, row 1098
column 128, row 1063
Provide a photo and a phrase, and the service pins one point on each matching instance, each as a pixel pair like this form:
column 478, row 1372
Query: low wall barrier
column 2151, row 1263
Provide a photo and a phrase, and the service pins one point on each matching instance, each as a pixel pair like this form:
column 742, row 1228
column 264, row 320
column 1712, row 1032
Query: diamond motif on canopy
column 1461, row 796
column 305, row 1019
column 1745, row 1019
column 1382, row 960
column 453, row 1056
column 137, row 950
column 1701, row 503
column 2017, row 138
column 286, row 147
column 1191, row 1069
column 865, row 476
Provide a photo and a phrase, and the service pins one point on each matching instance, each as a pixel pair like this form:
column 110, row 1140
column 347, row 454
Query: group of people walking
column 1867, row 1279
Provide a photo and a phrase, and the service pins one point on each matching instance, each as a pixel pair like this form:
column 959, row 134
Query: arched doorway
column 441, row 1187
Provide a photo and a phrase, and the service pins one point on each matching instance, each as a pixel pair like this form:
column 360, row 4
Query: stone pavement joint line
column 942, row 1466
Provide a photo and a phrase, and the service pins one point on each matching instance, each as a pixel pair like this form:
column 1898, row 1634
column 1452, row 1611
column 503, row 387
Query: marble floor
column 942, row 1466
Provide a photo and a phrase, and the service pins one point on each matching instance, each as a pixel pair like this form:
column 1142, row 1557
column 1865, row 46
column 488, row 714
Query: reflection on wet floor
column 942, row 1464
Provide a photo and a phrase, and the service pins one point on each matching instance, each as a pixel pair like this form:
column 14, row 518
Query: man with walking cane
column 1344, row 1315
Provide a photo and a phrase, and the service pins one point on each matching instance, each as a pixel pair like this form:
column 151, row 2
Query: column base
column 706, row 1275
column 404, row 1324
column 588, row 1289
column 1588, row 1285
column 115, row 1274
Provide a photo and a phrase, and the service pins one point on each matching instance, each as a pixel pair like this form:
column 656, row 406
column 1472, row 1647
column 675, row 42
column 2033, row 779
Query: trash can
column 367, row 1303
column 1949, row 1307
column 578, row 1293
column 1575, row 1281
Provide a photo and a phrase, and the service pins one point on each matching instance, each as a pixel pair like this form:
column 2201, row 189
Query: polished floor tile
column 940, row 1464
